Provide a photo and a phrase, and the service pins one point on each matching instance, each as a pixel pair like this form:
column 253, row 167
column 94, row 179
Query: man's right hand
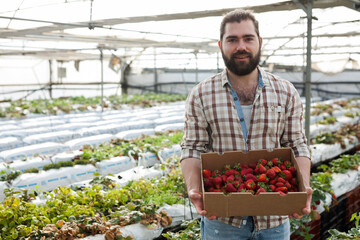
column 196, row 198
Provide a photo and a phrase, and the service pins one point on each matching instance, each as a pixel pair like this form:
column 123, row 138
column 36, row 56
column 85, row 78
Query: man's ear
column 219, row 44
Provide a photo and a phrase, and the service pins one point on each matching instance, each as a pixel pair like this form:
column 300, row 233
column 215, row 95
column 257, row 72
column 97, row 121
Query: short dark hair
column 238, row 15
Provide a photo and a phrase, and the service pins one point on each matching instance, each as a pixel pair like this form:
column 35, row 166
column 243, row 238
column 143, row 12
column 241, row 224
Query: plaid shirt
column 212, row 125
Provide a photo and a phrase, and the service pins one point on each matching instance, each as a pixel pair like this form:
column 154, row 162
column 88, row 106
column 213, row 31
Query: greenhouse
column 95, row 100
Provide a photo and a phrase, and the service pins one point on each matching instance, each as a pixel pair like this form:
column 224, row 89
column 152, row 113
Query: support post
column 308, row 71
column 102, row 79
column 50, row 79
column 155, row 73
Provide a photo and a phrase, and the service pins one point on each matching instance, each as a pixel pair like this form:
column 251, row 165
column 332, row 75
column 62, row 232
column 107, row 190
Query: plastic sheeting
column 114, row 165
column 49, row 148
column 93, row 140
column 10, row 143
column 60, row 136
column 135, row 133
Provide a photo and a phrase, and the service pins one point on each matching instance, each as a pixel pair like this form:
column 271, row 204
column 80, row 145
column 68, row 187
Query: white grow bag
column 36, row 162
column 60, row 136
column 21, row 133
column 51, row 179
column 76, row 144
column 135, row 133
column 10, row 143
column 49, row 148
column 172, row 126
column 114, row 165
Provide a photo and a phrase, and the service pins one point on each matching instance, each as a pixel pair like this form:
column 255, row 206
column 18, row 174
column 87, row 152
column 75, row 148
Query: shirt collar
column 263, row 78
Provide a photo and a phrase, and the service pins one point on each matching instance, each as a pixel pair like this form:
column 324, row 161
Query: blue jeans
column 216, row 230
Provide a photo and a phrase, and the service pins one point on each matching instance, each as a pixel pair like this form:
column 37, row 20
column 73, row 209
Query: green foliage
column 22, row 108
column 353, row 233
column 191, row 231
column 327, row 121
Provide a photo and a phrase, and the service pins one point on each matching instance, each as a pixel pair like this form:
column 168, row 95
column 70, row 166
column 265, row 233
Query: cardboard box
column 244, row 203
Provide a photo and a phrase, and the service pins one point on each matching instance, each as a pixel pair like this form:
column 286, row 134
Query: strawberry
column 250, row 176
column 211, row 189
column 281, row 189
column 293, row 181
column 272, row 187
column 270, row 173
column 292, row 170
column 238, row 178
column 250, row 184
column 263, row 162
column 262, row 169
column 272, row 181
column 280, row 179
column 283, row 167
column 282, row 193
column 313, row 207
column 231, row 172
column 217, row 190
column 317, row 202
column 224, row 177
column 275, row 161
column 230, row 178
column 263, row 178
column 217, row 182
column 276, row 169
column 252, row 165
column 287, row 174
column 237, row 167
column 230, row 188
column 288, row 185
column 287, row 164
column 241, row 187
column 279, row 184
column 208, row 183
column 245, row 171
column 260, row 190
column 206, row 173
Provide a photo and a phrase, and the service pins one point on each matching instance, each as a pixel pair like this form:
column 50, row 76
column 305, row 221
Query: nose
column 241, row 45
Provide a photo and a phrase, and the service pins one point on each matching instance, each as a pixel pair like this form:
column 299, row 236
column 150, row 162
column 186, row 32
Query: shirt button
column 241, row 119
column 235, row 98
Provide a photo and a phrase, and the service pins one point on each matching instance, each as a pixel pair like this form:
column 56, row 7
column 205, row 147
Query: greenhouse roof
column 68, row 30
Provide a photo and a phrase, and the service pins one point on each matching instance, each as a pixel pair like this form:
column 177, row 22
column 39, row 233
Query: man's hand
column 307, row 208
column 196, row 198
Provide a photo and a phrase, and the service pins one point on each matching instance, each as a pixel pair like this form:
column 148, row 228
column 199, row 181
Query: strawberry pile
column 264, row 176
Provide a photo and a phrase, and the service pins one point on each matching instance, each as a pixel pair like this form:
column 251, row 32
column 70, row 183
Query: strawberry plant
column 353, row 233
column 190, row 231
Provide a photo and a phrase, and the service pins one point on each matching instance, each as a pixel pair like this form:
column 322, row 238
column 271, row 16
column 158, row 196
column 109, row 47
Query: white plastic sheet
column 135, row 133
column 41, row 123
column 36, row 162
column 114, row 165
column 169, row 120
column 10, row 143
column 59, row 136
column 343, row 183
column 76, row 144
column 172, row 126
column 21, row 133
column 3, row 186
column 49, row 148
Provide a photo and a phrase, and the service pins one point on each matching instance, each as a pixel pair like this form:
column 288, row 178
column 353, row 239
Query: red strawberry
column 313, row 207
column 282, row 193
column 224, row 178
column 230, row 188
column 231, row 172
column 260, row 190
column 272, row 187
column 211, row 189
column 275, row 161
column 263, row 162
column 217, row 182
column 241, row 187
column 252, row 165
column 287, row 174
column 206, row 173
column 270, row 173
column 263, row 178
column 293, row 181
column 283, row 167
column 230, row 178
column 250, row 176
column 281, row 189
column 208, row 183
column 238, row 178
column 245, row 171
column 276, row 169
column 217, row 190
column 279, row 184
column 288, row 185
column 292, row 170
column 287, row 164
column 262, row 169
column 280, row 179
column 250, row 184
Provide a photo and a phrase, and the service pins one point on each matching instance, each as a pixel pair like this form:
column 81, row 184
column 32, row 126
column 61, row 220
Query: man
column 243, row 108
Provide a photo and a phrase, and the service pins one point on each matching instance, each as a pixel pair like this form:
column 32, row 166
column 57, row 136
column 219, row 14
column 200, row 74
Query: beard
column 241, row 68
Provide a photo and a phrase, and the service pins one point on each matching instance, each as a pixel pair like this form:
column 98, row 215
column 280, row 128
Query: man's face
column 240, row 47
